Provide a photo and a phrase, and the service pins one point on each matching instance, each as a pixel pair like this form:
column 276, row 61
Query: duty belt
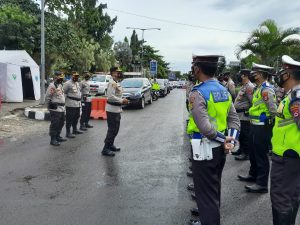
column 197, row 135
column 114, row 103
column 74, row 98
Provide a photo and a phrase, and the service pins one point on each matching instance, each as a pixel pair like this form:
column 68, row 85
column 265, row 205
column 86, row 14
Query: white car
column 98, row 84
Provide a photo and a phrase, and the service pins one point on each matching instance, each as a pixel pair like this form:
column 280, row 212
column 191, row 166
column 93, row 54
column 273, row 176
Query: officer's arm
column 233, row 123
column 249, row 93
column 295, row 111
column 268, row 96
column 66, row 88
column 111, row 93
column 231, row 88
column 200, row 115
column 49, row 93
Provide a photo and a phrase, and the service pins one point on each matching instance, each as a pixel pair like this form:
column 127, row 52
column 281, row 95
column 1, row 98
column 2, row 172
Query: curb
column 37, row 113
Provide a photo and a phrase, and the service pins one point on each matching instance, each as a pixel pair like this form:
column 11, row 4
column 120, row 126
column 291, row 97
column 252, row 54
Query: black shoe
column 193, row 195
column 107, row 152
column 60, row 139
column 282, row 218
column 88, row 125
column 189, row 173
column 82, row 127
column 194, row 222
column 238, row 152
column 54, row 142
column 256, row 188
column 195, row 211
column 247, row 178
column 69, row 135
column 77, row 132
column 190, row 187
column 295, row 211
column 115, row 149
column 242, row 157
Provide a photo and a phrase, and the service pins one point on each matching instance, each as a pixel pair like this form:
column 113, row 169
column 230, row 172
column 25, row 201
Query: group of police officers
column 218, row 119
column 65, row 101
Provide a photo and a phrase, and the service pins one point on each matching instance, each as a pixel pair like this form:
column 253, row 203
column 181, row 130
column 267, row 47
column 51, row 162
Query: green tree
column 123, row 54
column 17, row 29
column 268, row 42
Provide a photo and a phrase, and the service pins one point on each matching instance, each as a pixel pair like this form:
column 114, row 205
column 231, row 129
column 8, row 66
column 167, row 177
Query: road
column 144, row 184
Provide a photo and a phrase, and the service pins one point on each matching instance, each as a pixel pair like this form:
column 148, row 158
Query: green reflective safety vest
column 259, row 111
column 155, row 87
column 286, row 134
column 218, row 105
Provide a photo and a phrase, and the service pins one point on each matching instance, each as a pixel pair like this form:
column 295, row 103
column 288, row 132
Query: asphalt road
column 144, row 184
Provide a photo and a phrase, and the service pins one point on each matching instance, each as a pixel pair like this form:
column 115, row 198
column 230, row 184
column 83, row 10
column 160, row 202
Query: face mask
column 279, row 80
column 191, row 77
column 75, row 79
column 226, row 79
column 120, row 75
column 59, row 81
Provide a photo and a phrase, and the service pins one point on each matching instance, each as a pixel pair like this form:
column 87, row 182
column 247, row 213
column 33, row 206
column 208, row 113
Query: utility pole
column 143, row 30
column 42, row 66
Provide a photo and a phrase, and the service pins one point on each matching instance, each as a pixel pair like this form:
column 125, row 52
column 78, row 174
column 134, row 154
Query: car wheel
column 142, row 105
column 105, row 92
column 150, row 101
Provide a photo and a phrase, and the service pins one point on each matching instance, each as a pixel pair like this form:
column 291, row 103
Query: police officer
column 285, row 174
column 262, row 114
column 113, row 110
column 73, row 104
column 55, row 100
column 210, row 144
column 229, row 84
column 85, row 102
column 242, row 104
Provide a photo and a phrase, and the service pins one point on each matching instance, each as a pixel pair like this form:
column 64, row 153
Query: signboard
column 153, row 67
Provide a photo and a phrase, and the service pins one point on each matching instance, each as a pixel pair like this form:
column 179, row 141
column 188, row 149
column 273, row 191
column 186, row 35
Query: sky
column 177, row 43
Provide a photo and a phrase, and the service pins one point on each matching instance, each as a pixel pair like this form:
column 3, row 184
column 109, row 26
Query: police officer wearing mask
column 113, row 110
column 242, row 104
column 210, row 144
column 85, row 102
column 229, row 84
column 262, row 114
column 73, row 104
column 55, row 100
column 285, row 174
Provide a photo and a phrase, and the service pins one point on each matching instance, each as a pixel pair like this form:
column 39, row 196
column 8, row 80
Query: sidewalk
column 11, row 108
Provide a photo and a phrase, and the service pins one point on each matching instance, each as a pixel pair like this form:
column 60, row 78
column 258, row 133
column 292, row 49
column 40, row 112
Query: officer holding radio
column 285, row 173
column 213, row 113
column 55, row 100
column 262, row 114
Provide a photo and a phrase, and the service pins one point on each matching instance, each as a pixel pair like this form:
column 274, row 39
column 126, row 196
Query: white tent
column 19, row 76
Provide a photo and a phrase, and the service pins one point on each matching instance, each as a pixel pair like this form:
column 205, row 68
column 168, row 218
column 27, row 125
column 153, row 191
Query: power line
column 179, row 23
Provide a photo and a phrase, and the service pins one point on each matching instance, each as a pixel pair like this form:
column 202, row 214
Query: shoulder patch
column 265, row 96
column 249, row 90
column 295, row 109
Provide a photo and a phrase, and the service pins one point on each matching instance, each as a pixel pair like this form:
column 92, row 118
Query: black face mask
column 120, row 75
column 226, row 79
column 191, row 78
column 75, row 79
column 279, row 80
column 252, row 79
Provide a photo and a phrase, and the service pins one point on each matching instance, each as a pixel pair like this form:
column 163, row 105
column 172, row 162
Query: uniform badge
column 295, row 110
column 265, row 96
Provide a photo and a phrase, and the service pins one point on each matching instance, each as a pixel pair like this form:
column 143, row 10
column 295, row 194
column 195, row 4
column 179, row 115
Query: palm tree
column 269, row 42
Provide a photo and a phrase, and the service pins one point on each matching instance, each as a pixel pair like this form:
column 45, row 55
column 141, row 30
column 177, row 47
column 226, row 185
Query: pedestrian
column 85, row 102
column 55, row 101
column 242, row 105
column 113, row 110
column 262, row 114
column 73, row 104
column 285, row 173
column 213, row 113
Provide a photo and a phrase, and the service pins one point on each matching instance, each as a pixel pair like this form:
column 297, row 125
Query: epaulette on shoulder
column 295, row 94
column 195, row 87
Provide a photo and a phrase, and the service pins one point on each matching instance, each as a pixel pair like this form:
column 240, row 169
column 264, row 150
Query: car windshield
column 98, row 78
column 161, row 82
column 132, row 83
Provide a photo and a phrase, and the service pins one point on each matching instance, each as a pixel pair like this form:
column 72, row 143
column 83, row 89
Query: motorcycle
column 155, row 95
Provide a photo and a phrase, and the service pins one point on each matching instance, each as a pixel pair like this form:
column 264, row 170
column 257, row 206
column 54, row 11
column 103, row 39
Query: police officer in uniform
column 229, row 84
column 262, row 114
column 55, row 100
column 242, row 104
column 285, row 173
column 73, row 104
column 85, row 102
column 113, row 110
column 213, row 112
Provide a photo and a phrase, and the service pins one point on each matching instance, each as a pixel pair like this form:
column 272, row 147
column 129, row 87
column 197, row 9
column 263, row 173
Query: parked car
column 163, row 87
column 181, row 84
column 137, row 91
column 98, row 84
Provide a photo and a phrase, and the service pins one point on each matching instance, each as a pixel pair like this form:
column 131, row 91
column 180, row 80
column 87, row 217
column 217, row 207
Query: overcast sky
column 177, row 43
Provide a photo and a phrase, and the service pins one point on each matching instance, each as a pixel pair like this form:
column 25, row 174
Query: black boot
column 69, row 135
column 114, row 148
column 295, row 211
column 75, row 131
column 191, row 187
column 242, row 157
column 107, row 152
column 195, row 211
column 83, row 127
column 60, row 139
column 54, row 142
column 88, row 125
column 282, row 218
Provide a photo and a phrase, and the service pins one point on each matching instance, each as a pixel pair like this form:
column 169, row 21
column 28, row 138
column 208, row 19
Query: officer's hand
column 228, row 146
column 125, row 101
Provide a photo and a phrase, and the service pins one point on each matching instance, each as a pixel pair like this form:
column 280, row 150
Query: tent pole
column 42, row 67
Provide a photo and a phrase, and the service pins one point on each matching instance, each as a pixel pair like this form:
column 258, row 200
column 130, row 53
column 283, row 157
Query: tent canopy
column 15, row 79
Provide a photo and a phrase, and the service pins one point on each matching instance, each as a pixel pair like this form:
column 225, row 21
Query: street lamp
column 42, row 69
column 143, row 30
